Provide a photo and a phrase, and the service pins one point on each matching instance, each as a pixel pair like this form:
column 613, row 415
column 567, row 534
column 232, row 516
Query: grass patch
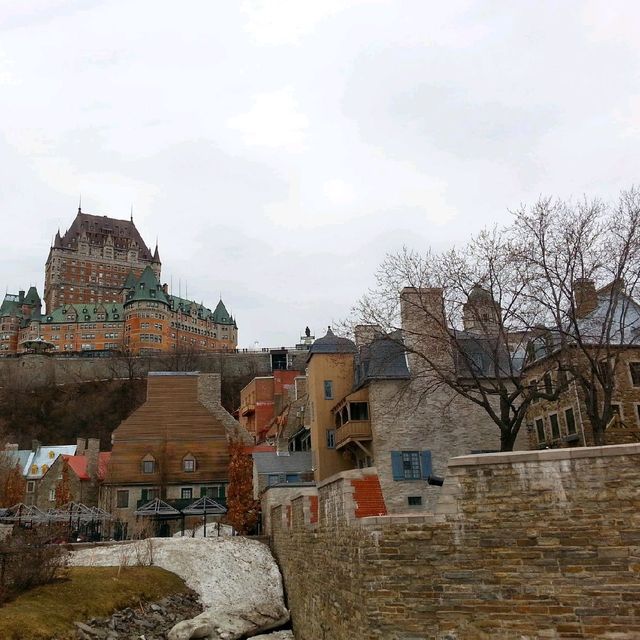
column 49, row 611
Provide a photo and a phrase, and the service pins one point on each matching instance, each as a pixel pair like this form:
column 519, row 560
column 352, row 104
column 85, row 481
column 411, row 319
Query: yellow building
column 330, row 371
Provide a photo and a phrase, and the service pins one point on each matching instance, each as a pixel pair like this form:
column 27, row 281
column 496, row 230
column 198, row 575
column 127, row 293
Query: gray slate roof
column 331, row 343
column 383, row 359
column 296, row 462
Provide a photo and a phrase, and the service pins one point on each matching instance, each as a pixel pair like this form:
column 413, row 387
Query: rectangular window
column 548, row 384
column 189, row 465
column 562, row 378
column 411, row 465
column 540, row 430
column 555, row 426
column 52, row 495
column 617, row 414
column 186, row 493
column 148, row 466
column 31, row 485
column 328, row 389
column 275, row 478
column 217, row 491
column 634, row 368
column 359, row 410
column 148, row 494
column 414, row 501
column 122, row 498
column 570, row 420
column 331, row 438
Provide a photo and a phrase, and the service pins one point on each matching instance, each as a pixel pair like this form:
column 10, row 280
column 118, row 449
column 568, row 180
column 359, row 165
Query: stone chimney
column 365, row 334
column 586, row 298
column 35, row 445
column 81, row 445
column 11, row 446
column 424, row 326
column 92, row 451
column 209, row 386
column 300, row 387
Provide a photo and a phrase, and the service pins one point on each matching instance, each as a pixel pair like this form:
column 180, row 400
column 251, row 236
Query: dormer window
column 189, row 463
column 149, row 464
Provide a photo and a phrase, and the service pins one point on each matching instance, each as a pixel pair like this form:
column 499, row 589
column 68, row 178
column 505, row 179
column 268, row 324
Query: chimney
column 301, row 386
column 81, row 445
column 10, row 446
column 35, row 445
column 21, row 296
column 424, row 326
column 586, row 298
column 365, row 333
column 165, row 288
column 209, row 388
column 92, row 451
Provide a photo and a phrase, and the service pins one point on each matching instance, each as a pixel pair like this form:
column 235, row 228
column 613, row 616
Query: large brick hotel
column 103, row 292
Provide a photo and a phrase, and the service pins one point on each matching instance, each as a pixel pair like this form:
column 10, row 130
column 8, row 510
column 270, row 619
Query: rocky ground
column 148, row 621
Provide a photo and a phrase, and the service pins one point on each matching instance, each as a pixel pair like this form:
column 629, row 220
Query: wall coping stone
column 351, row 474
column 510, row 457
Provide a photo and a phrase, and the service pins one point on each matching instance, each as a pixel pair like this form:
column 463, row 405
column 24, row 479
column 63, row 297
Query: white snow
column 228, row 573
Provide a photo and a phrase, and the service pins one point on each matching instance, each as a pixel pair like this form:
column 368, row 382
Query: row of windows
column 150, row 465
column 561, row 377
column 150, row 337
column 551, row 425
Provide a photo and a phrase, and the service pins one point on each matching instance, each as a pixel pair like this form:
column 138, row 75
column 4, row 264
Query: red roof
column 259, row 447
column 78, row 465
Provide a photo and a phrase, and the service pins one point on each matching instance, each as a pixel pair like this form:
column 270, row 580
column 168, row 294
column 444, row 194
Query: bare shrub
column 29, row 558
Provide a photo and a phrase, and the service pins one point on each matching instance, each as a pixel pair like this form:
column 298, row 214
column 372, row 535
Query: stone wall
column 32, row 370
column 522, row 545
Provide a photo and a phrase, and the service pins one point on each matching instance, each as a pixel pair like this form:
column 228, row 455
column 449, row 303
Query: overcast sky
column 278, row 149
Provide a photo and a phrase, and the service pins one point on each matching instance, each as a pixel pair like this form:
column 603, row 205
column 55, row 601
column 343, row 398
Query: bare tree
column 581, row 267
column 456, row 314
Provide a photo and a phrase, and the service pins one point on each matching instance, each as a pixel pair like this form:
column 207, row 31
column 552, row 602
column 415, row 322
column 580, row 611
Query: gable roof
column 40, row 460
column 78, row 464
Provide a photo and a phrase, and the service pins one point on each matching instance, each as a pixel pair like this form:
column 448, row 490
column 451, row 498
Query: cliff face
column 60, row 414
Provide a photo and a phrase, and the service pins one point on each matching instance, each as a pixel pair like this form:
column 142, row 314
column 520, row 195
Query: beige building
column 370, row 405
column 564, row 422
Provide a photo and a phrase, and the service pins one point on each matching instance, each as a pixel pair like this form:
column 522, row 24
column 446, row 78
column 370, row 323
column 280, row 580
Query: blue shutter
column 425, row 463
column 397, row 468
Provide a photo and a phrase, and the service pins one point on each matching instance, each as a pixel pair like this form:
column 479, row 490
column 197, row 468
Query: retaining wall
column 522, row 545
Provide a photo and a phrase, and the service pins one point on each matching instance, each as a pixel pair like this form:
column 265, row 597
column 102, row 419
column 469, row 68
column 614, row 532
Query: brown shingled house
column 174, row 447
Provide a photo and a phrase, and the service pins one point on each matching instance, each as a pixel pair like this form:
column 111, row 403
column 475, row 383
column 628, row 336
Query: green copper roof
column 131, row 280
column 147, row 288
column 32, row 297
column 113, row 312
column 221, row 315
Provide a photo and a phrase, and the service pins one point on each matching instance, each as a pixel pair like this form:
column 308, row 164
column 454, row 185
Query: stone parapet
column 542, row 544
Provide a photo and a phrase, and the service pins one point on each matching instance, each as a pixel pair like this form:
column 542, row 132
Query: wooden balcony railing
column 353, row 430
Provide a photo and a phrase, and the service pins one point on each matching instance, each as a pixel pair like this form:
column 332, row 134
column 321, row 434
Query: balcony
column 247, row 409
column 353, row 431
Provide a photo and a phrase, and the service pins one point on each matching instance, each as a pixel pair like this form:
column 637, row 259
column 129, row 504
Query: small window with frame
column 555, row 426
column 542, row 436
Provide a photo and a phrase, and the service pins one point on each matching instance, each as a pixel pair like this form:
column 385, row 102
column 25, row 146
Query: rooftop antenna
column 132, row 212
column 80, row 204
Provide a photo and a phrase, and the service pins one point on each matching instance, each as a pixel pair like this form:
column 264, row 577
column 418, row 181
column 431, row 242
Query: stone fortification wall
column 522, row 545
column 36, row 370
